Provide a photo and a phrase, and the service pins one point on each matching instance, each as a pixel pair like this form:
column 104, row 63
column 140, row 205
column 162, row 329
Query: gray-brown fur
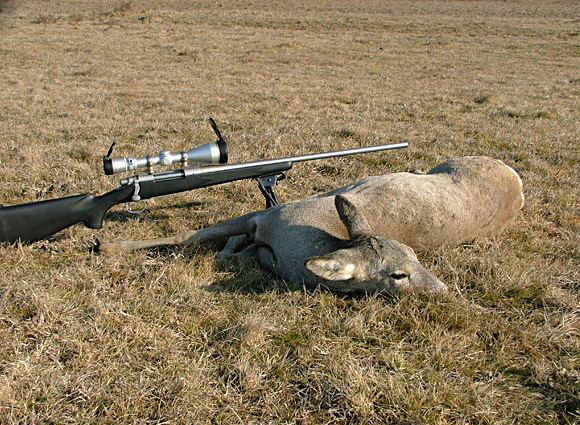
column 366, row 246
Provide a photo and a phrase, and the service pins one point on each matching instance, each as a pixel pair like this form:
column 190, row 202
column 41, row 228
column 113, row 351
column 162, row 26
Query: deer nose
column 441, row 287
column 437, row 286
column 428, row 282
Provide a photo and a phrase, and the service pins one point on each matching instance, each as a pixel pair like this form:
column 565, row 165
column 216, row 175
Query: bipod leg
column 266, row 185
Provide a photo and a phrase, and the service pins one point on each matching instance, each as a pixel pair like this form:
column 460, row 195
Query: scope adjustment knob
column 165, row 159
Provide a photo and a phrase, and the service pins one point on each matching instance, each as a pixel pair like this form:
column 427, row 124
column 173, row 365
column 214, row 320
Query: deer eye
column 398, row 275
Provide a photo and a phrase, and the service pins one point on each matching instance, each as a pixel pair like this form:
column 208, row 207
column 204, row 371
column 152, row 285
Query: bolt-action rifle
column 33, row 221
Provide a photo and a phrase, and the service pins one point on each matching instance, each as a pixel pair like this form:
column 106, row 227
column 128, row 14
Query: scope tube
column 209, row 153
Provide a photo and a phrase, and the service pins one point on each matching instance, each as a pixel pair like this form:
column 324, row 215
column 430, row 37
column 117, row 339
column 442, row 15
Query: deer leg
column 232, row 227
column 232, row 246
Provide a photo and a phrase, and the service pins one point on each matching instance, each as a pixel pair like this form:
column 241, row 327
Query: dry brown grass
column 173, row 337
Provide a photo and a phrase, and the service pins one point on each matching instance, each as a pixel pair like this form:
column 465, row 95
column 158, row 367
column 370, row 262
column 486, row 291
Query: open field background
column 171, row 336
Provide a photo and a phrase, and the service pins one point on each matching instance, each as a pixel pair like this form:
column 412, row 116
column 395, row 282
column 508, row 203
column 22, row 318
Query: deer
column 362, row 237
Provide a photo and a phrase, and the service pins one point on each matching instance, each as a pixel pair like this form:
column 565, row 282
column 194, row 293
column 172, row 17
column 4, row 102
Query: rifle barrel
column 345, row 152
column 292, row 159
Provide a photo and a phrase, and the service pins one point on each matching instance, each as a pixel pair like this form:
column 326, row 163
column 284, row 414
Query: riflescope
column 208, row 153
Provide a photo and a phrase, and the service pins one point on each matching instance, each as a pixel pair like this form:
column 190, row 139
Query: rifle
column 33, row 221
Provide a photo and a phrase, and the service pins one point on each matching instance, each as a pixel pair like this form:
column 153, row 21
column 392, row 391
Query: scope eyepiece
column 209, row 153
column 108, row 166
column 223, row 151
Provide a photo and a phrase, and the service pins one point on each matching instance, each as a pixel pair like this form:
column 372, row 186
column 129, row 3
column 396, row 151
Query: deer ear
column 330, row 268
column 356, row 223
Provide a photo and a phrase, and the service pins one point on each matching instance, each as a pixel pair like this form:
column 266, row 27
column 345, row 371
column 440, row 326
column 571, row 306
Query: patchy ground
column 173, row 337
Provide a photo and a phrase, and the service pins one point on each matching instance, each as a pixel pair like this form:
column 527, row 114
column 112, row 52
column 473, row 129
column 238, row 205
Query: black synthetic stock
column 37, row 220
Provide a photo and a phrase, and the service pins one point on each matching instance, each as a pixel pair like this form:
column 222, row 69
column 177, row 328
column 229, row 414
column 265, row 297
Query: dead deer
column 360, row 237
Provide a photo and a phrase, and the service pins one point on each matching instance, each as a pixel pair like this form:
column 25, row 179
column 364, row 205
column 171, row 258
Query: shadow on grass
column 247, row 276
column 560, row 389
column 158, row 212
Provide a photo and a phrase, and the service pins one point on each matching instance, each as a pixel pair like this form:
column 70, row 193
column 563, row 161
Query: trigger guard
column 138, row 211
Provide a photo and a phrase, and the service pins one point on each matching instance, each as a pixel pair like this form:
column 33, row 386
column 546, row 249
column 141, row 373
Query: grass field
column 172, row 336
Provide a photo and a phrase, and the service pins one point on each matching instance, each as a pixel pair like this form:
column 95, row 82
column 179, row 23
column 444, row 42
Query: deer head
column 370, row 263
